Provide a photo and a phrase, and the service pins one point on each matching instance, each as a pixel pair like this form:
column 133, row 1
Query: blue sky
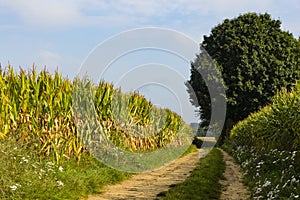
column 62, row 33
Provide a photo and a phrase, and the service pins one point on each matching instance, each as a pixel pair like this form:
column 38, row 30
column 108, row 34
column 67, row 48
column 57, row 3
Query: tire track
column 148, row 185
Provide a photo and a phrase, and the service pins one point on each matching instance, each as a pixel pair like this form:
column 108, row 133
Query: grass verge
column 24, row 176
column 203, row 183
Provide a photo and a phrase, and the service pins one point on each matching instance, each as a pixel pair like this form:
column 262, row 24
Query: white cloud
column 220, row 7
column 69, row 13
column 53, row 13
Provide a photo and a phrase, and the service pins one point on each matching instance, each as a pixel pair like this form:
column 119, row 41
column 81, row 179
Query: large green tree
column 255, row 57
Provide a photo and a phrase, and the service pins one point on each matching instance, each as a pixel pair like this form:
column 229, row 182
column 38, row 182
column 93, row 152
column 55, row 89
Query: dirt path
column 232, row 186
column 148, row 185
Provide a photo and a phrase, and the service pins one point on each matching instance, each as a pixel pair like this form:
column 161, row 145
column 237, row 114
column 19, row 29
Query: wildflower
column 293, row 155
column 258, row 190
column 285, row 184
column 60, row 168
column 49, row 164
column 261, row 162
column 267, row 183
column 25, row 160
column 50, row 170
column 14, row 187
column 60, row 183
column 270, row 194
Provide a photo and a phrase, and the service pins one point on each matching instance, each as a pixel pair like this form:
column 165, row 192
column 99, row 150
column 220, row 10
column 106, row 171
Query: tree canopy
column 255, row 58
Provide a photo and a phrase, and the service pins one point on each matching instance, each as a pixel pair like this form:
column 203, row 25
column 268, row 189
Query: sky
column 63, row 33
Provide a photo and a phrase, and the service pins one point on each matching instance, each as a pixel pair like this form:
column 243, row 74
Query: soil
column 232, row 186
column 149, row 184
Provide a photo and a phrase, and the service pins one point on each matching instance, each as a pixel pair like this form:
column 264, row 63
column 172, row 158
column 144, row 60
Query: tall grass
column 23, row 175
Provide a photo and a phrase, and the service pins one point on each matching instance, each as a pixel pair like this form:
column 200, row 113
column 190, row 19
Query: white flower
column 261, row 162
column 25, row 160
column 60, row 183
column 285, row 184
column 14, row 187
column 267, row 183
column 60, row 168
column 49, row 164
column 258, row 190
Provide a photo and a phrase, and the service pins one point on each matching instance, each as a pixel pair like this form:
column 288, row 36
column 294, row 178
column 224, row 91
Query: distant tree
column 255, row 58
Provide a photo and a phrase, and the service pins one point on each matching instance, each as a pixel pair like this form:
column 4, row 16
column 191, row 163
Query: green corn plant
column 37, row 109
column 274, row 126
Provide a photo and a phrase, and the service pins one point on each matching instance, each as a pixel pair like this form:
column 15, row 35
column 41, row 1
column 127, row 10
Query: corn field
column 276, row 126
column 37, row 109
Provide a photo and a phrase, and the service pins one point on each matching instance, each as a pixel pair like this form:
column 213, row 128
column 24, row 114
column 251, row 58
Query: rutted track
column 148, row 185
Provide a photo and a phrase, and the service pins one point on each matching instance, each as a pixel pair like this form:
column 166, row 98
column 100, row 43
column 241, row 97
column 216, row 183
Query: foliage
column 266, row 144
column 37, row 108
column 23, row 175
column 203, row 183
column 274, row 126
column 255, row 57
